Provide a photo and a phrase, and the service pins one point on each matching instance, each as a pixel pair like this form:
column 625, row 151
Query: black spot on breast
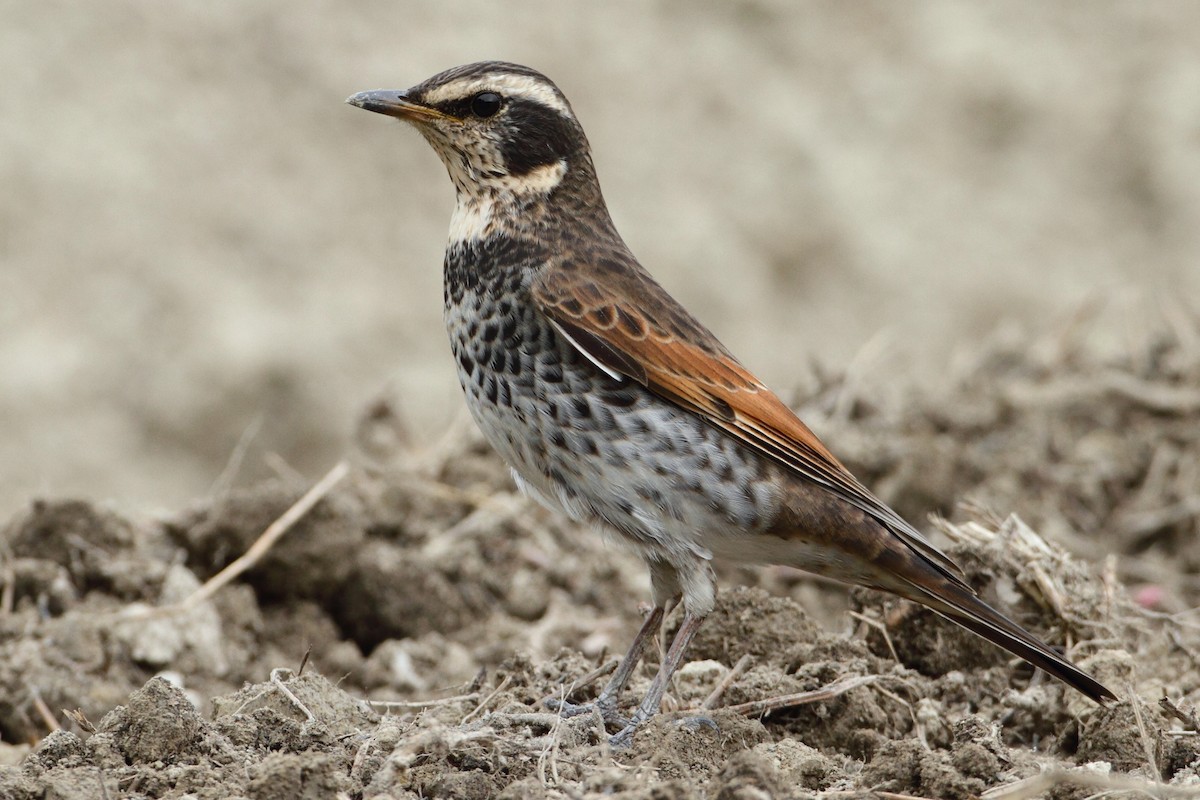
column 621, row 399
column 508, row 331
column 513, row 281
column 480, row 263
column 650, row 495
column 498, row 362
column 605, row 421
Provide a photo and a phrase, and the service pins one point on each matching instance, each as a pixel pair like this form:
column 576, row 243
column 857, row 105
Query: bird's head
column 498, row 127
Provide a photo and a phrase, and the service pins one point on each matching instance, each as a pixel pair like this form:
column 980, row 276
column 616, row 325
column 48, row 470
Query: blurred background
column 200, row 245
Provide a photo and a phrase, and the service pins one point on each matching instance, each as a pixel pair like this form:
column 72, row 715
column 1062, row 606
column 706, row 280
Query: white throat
column 472, row 218
column 484, row 204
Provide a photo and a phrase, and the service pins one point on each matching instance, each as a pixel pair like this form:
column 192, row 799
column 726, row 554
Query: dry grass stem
column 441, row 701
column 278, row 683
column 757, row 707
column 221, row 487
column 261, row 546
column 589, row 678
column 714, row 697
column 43, row 710
column 879, row 626
column 484, row 703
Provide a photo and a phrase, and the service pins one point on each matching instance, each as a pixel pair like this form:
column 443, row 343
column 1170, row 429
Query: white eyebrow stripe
column 522, row 86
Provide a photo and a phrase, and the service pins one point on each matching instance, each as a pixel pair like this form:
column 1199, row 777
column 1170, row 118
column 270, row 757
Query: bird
column 613, row 405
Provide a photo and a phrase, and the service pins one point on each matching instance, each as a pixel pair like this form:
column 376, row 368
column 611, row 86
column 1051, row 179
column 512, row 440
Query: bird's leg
column 658, row 687
column 606, row 703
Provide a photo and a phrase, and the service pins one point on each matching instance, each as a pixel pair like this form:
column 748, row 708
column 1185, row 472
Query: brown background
column 197, row 239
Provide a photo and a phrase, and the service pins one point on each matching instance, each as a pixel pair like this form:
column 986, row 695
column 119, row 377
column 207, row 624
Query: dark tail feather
column 964, row 607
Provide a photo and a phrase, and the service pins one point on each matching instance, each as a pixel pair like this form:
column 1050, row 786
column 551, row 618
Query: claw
column 623, row 738
column 566, row 709
column 608, row 711
column 696, row 723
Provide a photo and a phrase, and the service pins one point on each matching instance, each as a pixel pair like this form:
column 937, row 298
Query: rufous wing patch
column 688, row 366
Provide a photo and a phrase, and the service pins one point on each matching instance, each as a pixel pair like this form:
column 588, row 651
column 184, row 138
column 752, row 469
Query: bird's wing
column 675, row 357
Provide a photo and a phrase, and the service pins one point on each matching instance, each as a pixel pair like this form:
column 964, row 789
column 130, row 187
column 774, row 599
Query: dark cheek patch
column 538, row 136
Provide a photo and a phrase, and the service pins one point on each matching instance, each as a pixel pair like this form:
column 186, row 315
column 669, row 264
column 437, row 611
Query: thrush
column 613, row 405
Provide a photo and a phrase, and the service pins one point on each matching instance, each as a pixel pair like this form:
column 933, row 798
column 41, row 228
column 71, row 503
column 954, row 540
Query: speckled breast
column 580, row 441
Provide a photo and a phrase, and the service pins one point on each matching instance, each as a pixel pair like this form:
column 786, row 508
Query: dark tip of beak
column 378, row 100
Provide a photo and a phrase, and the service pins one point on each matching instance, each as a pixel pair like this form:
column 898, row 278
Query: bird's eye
column 486, row 104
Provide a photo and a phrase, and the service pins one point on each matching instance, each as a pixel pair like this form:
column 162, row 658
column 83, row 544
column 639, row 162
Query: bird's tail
column 961, row 605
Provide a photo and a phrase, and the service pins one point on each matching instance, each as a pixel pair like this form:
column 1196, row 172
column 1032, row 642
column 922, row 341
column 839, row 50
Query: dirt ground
column 958, row 238
column 400, row 640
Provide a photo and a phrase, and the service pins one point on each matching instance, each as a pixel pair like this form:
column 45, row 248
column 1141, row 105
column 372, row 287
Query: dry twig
column 1188, row 718
column 442, row 701
column 257, row 550
column 483, row 703
column 1136, row 704
column 742, row 664
column 77, row 716
column 591, row 677
column 549, row 753
column 277, row 682
column 756, row 707
column 8, row 594
column 883, row 631
column 43, row 710
column 224, row 483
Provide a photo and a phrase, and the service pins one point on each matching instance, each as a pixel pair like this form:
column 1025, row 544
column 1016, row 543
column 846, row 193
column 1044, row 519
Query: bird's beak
column 394, row 104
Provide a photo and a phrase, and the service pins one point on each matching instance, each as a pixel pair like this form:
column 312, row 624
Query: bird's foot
column 624, row 737
column 606, row 708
